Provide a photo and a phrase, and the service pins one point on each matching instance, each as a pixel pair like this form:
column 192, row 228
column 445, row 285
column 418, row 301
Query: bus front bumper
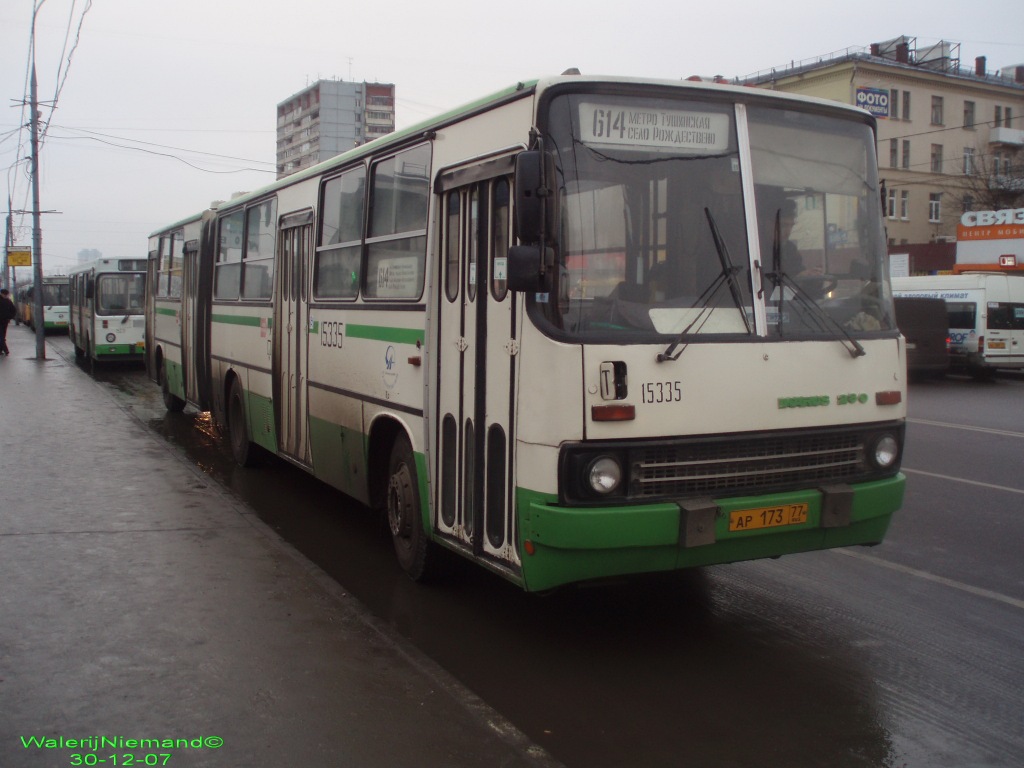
column 562, row 545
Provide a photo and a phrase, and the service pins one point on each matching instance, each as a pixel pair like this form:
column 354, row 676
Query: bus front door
column 290, row 335
column 473, row 498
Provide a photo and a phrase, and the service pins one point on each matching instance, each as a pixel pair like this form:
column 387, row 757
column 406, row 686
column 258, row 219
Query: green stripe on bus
column 247, row 320
column 382, row 333
column 168, row 312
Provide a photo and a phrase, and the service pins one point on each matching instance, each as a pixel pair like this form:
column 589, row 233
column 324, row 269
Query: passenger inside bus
column 791, row 260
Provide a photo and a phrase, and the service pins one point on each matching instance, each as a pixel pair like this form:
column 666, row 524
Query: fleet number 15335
column 662, row 392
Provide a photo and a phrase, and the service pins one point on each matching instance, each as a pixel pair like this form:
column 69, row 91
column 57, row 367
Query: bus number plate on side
column 767, row 517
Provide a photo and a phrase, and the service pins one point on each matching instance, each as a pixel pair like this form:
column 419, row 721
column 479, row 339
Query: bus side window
column 337, row 268
column 397, row 240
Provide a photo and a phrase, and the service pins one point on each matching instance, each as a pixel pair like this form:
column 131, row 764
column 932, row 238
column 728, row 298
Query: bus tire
column 238, row 432
column 404, row 513
column 172, row 403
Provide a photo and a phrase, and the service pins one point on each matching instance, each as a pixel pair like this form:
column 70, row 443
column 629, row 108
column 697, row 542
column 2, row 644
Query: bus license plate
column 767, row 517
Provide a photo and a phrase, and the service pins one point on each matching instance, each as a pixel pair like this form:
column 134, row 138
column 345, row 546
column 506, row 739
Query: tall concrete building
column 328, row 118
column 950, row 139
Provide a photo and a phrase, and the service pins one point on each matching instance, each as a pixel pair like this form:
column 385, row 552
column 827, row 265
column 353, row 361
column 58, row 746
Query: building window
column 894, row 159
column 935, row 207
column 904, row 205
column 906, row 153
column 937, row 110
column 969, row 161
column 967, row 203
column 891, row 204
column 906, row 105
column 936, row 158
column 894, row 104
column 1009, row 117
column 999, row 117
column 968, row 114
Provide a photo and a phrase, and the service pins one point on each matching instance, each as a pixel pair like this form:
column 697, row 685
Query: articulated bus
column 581, row 329
column 986, row 317
column 55, row 304
column 107, row 310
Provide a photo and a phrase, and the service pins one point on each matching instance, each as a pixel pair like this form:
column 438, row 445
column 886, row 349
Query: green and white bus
column 55, row 304
column 580, row 329
column 107, row 312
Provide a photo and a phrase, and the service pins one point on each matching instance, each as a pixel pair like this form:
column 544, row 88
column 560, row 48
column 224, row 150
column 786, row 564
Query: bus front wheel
column 402, row 505
column 238, row 432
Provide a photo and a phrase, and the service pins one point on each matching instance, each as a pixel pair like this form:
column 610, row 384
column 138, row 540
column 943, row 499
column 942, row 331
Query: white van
column 986, row 316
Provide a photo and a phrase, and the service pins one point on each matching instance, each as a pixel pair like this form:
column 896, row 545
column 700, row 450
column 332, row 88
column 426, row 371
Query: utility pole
column 8, row 242
column 37, row 230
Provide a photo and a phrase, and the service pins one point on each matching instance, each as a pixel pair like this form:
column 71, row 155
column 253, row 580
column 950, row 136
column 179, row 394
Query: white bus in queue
column 986, row 316
column 583, row 328
column 107, row 311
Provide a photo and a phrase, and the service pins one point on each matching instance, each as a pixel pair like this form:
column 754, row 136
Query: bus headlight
column 111, row 338
column 885, row 450
column 604, row 475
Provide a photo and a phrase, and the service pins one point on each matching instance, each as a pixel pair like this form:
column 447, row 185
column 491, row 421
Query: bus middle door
column 291, row 335
column 189, row 291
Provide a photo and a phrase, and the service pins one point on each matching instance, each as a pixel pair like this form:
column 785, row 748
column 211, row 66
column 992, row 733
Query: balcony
column 1013, row 137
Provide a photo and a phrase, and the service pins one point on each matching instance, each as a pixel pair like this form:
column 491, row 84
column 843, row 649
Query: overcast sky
column 167, row 106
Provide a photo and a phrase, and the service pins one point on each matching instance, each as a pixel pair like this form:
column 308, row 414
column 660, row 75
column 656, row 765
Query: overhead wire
column 62, row 79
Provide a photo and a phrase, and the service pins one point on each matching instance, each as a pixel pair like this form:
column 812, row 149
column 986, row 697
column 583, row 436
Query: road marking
column 987, row 430
column 978, row 591
column 962, row 480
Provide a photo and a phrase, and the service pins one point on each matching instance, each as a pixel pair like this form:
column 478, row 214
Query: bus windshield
column 121, row 293
column 653, row 239
column 56, row 294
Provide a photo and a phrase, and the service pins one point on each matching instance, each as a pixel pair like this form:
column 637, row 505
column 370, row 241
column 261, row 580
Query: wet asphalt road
column 908, row 654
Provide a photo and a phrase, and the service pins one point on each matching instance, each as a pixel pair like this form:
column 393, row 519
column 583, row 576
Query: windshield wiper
column 726, row 277
column 728, row 269
column 823, row 320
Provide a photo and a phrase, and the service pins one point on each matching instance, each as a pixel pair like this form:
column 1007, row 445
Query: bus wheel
column 172, row 403
column 402, row 505
column 238, row 432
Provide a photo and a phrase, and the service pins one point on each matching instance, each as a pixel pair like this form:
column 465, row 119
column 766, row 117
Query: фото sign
column 874, row 100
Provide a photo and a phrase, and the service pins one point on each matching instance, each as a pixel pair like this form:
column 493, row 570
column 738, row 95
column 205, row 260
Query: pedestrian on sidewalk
column 7, row 313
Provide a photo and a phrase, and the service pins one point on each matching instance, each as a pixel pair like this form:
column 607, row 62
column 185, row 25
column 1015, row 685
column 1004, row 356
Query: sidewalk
column 139, row 602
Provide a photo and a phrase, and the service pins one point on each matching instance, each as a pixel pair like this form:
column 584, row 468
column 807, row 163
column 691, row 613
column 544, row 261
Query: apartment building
column 950, row 139
column 328, row 118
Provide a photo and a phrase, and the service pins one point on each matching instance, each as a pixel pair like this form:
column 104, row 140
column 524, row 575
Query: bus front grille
column 746, row 465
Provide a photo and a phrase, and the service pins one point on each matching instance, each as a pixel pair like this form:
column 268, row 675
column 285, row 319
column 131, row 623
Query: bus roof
column 522, row 89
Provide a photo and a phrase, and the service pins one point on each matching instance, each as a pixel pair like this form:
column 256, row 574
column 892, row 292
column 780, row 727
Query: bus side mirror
column 536, row 197
column 529, row 267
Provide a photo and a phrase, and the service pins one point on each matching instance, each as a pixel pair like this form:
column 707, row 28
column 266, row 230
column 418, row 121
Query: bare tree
column 992, row 181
